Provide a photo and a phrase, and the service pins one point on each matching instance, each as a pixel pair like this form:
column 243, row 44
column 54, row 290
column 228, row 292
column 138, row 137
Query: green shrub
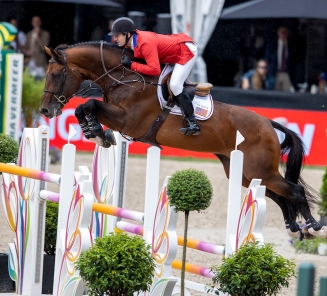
column 323, row 193
column 51, row 224
column 253, row 271
column 308, row 245
column 189, row 190
column 117, row 265
column 8, row 149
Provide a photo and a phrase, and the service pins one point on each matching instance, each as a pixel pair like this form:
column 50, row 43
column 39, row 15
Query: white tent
column 198, row 19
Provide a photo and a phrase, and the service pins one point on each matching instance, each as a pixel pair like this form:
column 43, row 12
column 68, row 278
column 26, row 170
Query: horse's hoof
column 322, row 233
column 307, row 234
column 109, row 137
column 97, row 140
column 298, row 234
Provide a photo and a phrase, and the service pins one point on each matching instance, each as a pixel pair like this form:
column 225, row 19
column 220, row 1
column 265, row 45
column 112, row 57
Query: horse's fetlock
column 311, row 222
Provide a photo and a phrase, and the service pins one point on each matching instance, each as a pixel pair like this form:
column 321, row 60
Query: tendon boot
column 184, row 102
column 94, row 126
column 85, row 128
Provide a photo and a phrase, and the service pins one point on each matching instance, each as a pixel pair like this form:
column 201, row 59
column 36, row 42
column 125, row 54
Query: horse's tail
column 295, row 148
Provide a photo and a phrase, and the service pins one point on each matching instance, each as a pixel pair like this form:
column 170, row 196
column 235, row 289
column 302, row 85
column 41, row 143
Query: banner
column 311, row 126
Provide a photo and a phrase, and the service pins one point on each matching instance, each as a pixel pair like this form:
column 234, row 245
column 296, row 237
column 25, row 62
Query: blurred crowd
column 276, row 71
column 31, row 44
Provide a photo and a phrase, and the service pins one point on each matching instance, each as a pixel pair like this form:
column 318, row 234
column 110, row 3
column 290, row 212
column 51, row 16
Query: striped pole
column 118, row 212
column 195, row 269
column 191, row 243
column 97, row 207
column 29, row 173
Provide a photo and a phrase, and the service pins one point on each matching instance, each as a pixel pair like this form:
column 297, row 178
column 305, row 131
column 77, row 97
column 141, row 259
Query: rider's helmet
column 123, row 25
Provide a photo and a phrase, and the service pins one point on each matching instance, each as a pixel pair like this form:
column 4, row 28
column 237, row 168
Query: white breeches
column 181, row 72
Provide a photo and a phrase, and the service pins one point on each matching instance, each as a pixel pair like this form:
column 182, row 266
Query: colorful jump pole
column 29, row 173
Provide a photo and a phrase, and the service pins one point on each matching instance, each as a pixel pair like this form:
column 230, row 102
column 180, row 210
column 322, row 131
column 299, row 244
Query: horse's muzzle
column 49, row 114
column 45, row 112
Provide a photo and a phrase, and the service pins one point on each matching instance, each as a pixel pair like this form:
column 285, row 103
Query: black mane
column 88, row 43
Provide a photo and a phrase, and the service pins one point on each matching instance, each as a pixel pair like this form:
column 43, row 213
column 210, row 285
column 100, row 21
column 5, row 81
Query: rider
column 178, row 49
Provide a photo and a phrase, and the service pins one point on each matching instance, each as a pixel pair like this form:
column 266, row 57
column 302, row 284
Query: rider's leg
column 179, row 75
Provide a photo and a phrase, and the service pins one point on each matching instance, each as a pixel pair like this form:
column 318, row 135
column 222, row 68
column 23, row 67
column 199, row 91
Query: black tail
column 295, row 148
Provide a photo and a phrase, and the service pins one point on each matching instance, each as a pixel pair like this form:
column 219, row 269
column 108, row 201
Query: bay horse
column 130, row 106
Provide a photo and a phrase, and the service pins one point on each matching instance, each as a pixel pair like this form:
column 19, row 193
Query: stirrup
column 192, row 129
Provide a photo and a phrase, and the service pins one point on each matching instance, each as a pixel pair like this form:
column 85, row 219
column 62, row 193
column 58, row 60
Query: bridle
column 64, row 100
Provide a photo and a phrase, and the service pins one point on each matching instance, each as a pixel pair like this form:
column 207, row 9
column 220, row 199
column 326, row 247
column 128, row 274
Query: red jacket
column 159, row 49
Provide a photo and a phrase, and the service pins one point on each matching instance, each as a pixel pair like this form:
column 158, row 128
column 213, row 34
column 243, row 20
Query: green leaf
column 8, row 149
column 117, row 265
column 253, row 271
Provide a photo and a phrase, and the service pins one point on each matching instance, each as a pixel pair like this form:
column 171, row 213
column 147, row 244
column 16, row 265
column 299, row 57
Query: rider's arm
column 150, row 54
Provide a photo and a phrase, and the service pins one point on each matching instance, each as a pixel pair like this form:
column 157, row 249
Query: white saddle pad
column 203, row 106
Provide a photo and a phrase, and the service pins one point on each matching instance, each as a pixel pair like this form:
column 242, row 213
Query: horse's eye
column 55, row 75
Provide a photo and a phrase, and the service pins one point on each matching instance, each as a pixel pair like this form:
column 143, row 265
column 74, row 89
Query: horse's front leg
column 92, row 129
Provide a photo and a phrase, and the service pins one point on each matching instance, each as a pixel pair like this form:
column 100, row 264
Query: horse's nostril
column 44, row 111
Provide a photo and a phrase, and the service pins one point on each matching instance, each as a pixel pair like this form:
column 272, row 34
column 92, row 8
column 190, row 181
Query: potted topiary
column 31, row 96
column 188, row 190
column 255, row 270
column 117, row 265
column 50, row 236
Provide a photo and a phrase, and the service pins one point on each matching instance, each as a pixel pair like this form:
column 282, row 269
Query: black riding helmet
column 123, row 25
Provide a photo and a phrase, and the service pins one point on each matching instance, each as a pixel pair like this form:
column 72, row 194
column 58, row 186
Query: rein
column 64, row 100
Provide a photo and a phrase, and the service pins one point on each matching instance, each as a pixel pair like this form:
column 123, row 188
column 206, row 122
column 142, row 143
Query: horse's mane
column 90, row 43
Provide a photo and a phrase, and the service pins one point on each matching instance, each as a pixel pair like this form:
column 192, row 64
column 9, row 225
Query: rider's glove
column 126, row 61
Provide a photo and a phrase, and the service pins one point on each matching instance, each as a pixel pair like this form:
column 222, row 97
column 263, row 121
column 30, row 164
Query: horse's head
column 62, row 82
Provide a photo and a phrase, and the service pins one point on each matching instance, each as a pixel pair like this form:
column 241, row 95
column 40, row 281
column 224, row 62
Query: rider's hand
column 126, row 61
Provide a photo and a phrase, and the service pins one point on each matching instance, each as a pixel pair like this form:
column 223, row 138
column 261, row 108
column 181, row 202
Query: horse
column 131, row 106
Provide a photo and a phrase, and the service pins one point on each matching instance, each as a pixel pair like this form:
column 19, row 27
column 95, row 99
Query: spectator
column 256, row 78
column 34, row 49
column 280, row 56
column 18, row 44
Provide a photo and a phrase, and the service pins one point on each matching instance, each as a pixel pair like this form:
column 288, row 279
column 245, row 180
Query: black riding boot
column 184, row 102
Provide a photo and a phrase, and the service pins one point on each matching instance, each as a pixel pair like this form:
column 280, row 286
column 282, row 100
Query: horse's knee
column 79, row 113
column 89, row 107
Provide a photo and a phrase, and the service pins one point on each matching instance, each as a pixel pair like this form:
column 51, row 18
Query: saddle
column 192, row 88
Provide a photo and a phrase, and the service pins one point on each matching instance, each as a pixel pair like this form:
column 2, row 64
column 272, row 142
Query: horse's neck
column 89, row 63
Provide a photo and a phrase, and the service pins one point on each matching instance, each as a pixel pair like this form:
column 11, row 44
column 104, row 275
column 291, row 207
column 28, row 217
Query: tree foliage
column 189, row 190
column 8, row 149
column 323, row 193
column 31, row 96
column 51, row 224
column 117, row 265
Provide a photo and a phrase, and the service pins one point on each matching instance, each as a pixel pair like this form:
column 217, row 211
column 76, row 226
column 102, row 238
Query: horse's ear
column 54, row 53
column 47, row 50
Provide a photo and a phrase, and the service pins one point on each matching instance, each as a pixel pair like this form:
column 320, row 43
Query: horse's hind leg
column 289, row 210
column 295, row 193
